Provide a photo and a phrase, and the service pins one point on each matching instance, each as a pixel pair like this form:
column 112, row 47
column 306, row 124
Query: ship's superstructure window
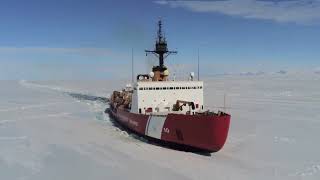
column 161, row 97
column 168, row 88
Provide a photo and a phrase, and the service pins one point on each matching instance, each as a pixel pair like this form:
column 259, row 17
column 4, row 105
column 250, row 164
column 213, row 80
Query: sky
column 93, row 39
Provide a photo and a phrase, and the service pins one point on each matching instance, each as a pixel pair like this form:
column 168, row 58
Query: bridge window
column 168, row 88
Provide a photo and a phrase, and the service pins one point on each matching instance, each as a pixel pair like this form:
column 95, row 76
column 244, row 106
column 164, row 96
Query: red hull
column 205, row 132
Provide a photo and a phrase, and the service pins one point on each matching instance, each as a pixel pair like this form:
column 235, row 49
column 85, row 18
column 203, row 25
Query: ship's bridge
column 163, row 97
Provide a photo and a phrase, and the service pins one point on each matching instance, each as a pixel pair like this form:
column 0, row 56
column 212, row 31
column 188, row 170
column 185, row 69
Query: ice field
column 47, row 134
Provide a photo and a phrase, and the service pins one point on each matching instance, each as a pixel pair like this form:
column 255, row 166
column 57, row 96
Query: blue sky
column 65, row 39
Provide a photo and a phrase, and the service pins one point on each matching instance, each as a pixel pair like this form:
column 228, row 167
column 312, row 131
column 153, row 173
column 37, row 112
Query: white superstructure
column 155, row 93
column 160, row 97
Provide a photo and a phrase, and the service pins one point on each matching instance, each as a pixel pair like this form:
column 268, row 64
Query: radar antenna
column 161, row 49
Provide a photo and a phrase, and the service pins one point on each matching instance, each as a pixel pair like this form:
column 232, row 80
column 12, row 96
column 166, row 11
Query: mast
column 161, row 49
column 198, row 64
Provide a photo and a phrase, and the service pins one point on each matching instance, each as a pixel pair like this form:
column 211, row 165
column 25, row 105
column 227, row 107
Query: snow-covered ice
column 47, row 134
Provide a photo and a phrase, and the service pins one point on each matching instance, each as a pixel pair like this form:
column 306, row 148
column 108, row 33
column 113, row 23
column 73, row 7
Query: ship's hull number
column 166, row 130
